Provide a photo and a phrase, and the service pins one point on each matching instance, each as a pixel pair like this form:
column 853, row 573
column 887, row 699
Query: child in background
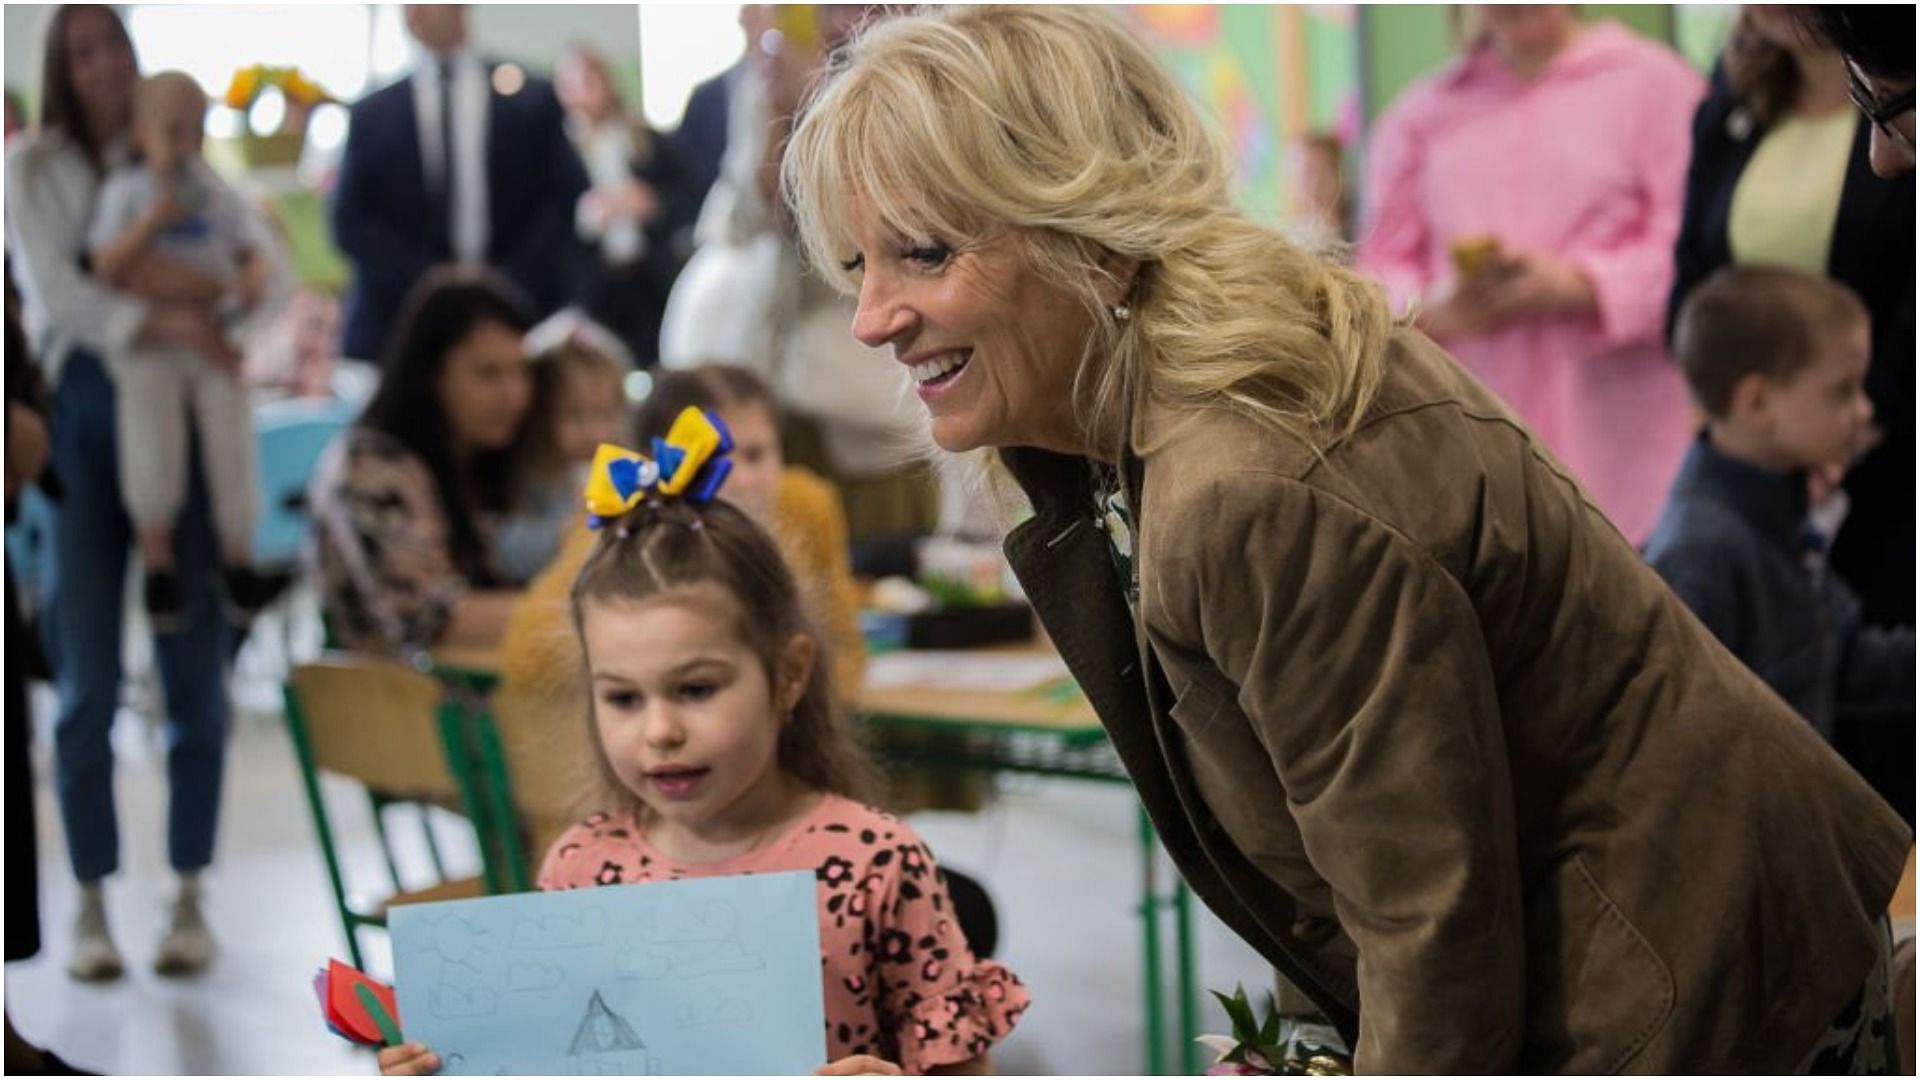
column 169, row 230
column 579, row 402
column 295, row 355
column 1322, row 204
column 1778, row 361
column 802, row 511
column 724, row 751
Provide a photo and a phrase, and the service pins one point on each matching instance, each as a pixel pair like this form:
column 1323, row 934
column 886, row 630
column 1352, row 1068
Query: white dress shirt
column 469, row 190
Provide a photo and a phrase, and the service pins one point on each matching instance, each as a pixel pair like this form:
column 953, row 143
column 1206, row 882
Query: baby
column 170, row 231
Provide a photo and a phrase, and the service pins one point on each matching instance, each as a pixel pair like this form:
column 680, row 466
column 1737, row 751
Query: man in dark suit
column 501, row 192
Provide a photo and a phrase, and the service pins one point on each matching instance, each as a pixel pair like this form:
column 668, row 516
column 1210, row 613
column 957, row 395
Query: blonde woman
column 1411, row 716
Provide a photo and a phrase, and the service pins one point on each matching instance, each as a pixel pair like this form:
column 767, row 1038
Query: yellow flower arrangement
column 248, row 83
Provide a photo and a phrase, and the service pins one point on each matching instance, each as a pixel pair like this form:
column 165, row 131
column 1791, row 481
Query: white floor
column 1059, row 856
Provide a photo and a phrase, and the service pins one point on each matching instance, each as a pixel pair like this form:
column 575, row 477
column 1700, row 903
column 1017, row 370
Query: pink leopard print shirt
column 899, row 980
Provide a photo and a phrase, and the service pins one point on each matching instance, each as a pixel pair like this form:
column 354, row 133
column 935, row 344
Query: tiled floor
column 1059, row 856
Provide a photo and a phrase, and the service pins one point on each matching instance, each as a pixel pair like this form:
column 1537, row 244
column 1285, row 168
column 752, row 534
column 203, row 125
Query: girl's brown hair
column 659, row 547
column 577, row 352
column 711, row 386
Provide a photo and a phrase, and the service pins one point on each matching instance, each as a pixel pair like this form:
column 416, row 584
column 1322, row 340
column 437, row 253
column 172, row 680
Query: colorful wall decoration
column 1266, row 74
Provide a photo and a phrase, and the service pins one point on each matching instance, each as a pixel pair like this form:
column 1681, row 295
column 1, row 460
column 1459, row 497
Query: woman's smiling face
column 991, row 345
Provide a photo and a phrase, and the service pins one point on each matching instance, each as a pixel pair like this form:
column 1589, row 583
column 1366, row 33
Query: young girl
column 579, row 402
column 723, row 752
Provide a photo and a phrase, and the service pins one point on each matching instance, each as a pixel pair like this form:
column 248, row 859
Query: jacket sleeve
column 1703, row 580
column 45, row 245
column 1877, row 672
column 1394, row 234
column 1632, row 278
column 1362, row 667
column 388, row 256
column 536, row 260
column 1690, row 258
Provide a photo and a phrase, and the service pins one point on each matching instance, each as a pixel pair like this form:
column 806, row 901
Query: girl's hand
column 408, row 1059
column 859, row 1065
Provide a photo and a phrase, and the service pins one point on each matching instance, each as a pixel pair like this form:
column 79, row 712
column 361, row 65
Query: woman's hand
column 250, row 286
column 408, row 1059
column 27, row 444
column 192, row 328
column 162, row 280
column 634, row 199
column 1531, row 285
column 859, row 1065
column 1460, row 310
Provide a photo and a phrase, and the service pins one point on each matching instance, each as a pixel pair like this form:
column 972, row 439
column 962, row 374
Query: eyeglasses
column 1881, row 113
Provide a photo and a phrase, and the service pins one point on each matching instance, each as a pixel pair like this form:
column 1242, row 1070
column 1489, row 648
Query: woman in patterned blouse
column 406, row 503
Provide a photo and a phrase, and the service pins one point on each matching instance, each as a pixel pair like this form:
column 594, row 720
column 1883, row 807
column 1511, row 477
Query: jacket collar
column 1776, row 503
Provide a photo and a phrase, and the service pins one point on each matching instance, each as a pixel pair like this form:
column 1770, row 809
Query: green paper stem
column 389, row 1030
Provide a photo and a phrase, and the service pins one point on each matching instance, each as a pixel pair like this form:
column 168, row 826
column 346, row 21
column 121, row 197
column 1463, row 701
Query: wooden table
column 1050, row 732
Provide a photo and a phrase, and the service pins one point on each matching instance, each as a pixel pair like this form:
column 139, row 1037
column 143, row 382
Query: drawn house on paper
column 606, row 1045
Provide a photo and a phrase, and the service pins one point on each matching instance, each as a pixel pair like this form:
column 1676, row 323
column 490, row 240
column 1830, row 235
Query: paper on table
column 716, row 975
column 958, row 670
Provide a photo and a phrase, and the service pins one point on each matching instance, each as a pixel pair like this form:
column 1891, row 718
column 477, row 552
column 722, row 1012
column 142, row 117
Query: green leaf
column 1245, row 1027
column 1270, row 1031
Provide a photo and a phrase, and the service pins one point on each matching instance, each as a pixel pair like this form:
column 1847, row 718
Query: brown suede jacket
column 1418, row 723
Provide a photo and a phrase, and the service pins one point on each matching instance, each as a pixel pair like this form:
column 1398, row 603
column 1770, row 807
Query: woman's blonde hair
column 1057, row 125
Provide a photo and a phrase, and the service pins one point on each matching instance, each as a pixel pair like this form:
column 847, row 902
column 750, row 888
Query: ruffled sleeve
column 942, row 1004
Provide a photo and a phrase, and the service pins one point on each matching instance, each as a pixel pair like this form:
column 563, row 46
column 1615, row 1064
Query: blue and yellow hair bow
column 690, row 463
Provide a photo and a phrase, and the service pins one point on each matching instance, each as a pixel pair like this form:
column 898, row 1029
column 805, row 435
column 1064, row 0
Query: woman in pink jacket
column 1526, row 200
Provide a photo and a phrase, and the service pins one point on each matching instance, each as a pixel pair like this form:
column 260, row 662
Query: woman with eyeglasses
column 1877, row 41
column 1780, row 176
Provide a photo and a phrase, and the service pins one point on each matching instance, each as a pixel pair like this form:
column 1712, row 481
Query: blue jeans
column 85, row 606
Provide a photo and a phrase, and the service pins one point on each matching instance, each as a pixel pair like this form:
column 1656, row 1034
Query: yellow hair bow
column 690, row 463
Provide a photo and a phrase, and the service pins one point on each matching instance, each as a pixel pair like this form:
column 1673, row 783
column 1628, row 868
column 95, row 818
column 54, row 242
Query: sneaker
column 166, row 608
column 248, row 592
column 188, row 947
column 94, row 959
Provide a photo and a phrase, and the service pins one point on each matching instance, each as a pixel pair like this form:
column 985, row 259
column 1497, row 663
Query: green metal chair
column 397, row 733
column 536, row 770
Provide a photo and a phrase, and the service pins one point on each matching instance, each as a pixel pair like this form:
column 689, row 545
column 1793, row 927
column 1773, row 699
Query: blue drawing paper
column 716, row 975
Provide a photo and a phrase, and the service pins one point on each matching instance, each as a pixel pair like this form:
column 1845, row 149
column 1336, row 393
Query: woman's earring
column 1121, row 312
